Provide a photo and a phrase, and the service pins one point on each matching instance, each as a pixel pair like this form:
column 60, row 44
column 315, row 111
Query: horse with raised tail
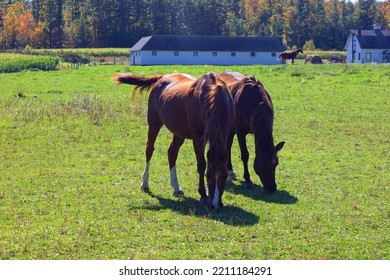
column 197, row 109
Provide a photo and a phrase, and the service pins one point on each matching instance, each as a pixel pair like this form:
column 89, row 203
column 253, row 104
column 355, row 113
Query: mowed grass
column 72, row 154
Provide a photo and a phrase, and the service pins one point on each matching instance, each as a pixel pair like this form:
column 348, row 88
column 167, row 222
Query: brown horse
column 198, row 109
column 254, row 114
column 290, row 55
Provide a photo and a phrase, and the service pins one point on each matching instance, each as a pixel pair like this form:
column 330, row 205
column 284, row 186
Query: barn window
column 253, row 54
column 214, row 53
column 368, row 56
column 176, row 53
column 195, row 53
column 154, row 53
column 273, row 54
column 233, row 54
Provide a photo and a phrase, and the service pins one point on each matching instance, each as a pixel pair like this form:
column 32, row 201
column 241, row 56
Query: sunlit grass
column 72, row 154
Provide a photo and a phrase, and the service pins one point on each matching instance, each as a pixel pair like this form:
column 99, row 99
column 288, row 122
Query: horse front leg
column 229, row 166
column 241, row 136
column 173, row 152
column 199, row 146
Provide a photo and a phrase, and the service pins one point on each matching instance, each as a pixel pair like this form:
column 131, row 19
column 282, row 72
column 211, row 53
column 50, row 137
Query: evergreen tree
column 121, row 23
column 302, row 33
column 320, row 26
column 364, row 16
column 334, row 24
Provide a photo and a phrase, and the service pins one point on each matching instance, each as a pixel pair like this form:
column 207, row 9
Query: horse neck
column 262, row 123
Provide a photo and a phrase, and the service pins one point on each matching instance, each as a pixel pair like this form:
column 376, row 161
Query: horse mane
column 263, row 115
column 216, row 109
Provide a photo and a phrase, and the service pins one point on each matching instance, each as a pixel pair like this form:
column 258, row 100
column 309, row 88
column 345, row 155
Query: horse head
column 265, row 165
column 216, row 175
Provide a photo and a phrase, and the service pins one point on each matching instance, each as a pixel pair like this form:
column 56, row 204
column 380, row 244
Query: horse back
column 169, row 102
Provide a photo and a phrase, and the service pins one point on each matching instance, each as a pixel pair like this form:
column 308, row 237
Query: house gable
column 364, row 46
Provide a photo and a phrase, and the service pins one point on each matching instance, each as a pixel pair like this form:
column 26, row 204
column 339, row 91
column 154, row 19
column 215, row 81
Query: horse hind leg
column 152, row 135
column 199, row 146
column 173, row 152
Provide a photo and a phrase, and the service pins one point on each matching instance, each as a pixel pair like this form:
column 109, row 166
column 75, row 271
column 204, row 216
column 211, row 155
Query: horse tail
column 140, row 83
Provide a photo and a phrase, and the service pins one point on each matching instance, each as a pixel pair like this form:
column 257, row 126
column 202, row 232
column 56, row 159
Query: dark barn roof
column 209, row 43
column 373, row 39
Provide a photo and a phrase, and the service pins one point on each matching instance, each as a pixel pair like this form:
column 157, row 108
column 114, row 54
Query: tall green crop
column 18, row 62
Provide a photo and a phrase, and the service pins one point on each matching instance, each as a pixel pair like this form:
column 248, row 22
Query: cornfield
column 18, row 62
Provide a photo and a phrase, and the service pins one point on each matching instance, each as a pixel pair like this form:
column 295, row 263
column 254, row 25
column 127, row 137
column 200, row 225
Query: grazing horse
column 254, row 114
column 289, row 55
column 198, row 109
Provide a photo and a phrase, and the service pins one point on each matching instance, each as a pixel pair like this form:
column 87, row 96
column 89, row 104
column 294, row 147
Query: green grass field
column 72, row 154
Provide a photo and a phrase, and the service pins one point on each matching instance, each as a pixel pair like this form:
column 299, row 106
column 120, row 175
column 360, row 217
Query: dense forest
column 322, row 24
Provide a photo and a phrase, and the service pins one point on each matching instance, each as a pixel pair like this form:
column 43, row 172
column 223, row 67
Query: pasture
column 72, row 154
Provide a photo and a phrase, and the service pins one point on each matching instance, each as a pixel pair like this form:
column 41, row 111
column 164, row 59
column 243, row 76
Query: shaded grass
column 72, row 149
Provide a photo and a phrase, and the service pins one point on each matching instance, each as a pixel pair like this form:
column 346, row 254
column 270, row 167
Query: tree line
column 322, row 24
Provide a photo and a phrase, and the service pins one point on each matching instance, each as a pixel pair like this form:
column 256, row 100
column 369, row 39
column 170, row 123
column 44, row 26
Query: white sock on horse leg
column 145, row 177
column 174, row 181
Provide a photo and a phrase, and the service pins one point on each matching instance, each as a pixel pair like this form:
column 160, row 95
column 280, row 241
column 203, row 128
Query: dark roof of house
column 209, row 43
column 373, row 39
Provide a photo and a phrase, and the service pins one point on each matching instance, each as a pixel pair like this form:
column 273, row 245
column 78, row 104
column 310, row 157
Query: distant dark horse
column 254, row 114
column 198, row 109
column 290, row 55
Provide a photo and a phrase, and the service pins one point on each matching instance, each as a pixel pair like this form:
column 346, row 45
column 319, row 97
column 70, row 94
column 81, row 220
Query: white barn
column 366, row 46
column 202, row 50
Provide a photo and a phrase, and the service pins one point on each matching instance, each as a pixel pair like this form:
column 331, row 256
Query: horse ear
column 199, row 84
column 279, row 146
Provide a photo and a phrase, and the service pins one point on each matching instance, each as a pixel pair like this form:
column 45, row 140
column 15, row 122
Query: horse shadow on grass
column 230, row 215
column 257, row 193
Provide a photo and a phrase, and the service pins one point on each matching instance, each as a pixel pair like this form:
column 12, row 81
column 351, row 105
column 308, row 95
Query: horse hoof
column 204, row 201
column 178, row 193
column 144, row 187
column 232, row 175
column 269, row 191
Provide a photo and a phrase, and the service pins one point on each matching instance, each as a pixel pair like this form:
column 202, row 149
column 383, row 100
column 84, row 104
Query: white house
column 201, row 50
column 366, row 46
